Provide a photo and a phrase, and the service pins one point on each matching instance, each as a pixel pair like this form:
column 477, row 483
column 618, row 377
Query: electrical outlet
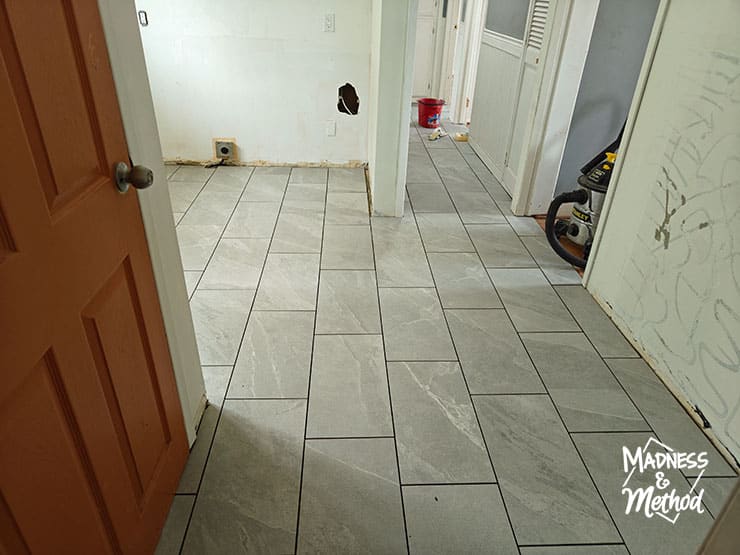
column 225, row 149
column 329, row 21
column 331, row 128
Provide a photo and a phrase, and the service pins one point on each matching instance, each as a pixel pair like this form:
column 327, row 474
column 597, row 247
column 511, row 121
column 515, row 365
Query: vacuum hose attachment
column 580, row 196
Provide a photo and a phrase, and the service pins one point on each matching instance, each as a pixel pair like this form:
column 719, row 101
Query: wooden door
column 92, row 441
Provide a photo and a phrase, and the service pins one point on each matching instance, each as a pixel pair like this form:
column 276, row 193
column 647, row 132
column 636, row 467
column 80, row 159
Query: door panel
column 90, row 421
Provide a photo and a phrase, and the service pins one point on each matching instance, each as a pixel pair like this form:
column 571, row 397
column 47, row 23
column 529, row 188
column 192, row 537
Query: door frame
column 464, row 85
column 120, row 26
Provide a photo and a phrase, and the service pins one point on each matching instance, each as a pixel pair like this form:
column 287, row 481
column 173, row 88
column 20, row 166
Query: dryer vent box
column 225, row 149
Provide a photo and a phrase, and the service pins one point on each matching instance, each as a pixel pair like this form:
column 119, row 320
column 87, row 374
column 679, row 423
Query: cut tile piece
column 414, row 326
column 576, row 550
column 477, row 208
column 192, row 174
column 556, row 270
column 585, row 392
column 457, row 519
column 347, row 247
column 177, row 216
column 524, row 225
column 350, row 500
column 603, row 456
column 289, row 282
column 175, row 526
column 170, row 169
column 347, row 180
column 348, row 302
column 266, row 184
column 531, row 301
column 437, row 432
column 493, row 358
column 462, row 281
column 248, row 501
column 399, row 253
column 253, row 220
column 196, row 244
column 349, row 388
column 191, row 281
column 230, row 178
column 716, row 492
column 236, row 264
column 308, row 175
column 275, row 356
column 598, row 327
column 183, row 193
column 548, row 493
column 500, row 247
column 211, row 208
column 665, row 415
column 299, row 227
column 219, row 318
column 430, row 197
column 443, row 233
column 347, row 209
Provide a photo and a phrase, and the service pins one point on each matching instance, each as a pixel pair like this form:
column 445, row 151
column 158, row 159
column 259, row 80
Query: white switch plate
column 329, row 22
column 331, row 128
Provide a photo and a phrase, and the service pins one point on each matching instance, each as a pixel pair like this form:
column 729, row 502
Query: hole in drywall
column 349, row 102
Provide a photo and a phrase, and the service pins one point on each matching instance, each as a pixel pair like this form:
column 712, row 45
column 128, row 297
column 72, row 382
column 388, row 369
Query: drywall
column 263, row 72
column 620, row 36
column 667, row 257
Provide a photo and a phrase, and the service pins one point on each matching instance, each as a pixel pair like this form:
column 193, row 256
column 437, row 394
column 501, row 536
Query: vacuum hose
column 579, row 196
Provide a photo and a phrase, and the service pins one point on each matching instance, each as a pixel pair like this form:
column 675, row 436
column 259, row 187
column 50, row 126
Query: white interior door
column 426, row 35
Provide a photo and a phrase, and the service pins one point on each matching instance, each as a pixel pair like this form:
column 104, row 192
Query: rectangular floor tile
column 266, row 184
column 349, row 388
column 548, row 493
column 460, row 518
column 211, row 208
column 603, row 456
column 348, row 302
column 299, row 227
column 665, row 415
column 347, row 247
column 493, row 358
column 289, row 282
column 347, row 209
column 192, row 173
column 576, row 550
column 437, row 432
column 597, row 326
column 524, row 226
column 174, row 528
column 531, row 301
column 443, row 233
column 716, row 492
column 586, row 393
column 248, row 502
column 500, row 247
column 414, row 326
column 347, row 180
column 420, row 168
column 253, row 220
column 399, row 253
column 350, row 500
column 229, row 179
column 183, row 193
column 219, row 318
column 315, row 192
column 556, row 270
column 462, row 281
column 430, row 197
column 308, row 175
column 275, row 356
column 236, row 264
column 197, row 243
column 477, row 208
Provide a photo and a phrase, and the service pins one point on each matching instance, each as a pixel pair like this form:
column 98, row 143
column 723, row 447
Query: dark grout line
column 434, row 484
column 347, row 438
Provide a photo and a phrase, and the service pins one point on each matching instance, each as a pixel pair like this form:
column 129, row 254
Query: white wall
column 261, row 71
column 667, row 258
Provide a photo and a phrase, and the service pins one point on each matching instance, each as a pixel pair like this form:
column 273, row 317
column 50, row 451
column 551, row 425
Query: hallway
column 439, row 383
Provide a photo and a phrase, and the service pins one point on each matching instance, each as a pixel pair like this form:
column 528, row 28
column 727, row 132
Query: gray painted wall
column 621, row 33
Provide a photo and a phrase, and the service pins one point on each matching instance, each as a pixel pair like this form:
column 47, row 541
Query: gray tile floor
column 438, row 383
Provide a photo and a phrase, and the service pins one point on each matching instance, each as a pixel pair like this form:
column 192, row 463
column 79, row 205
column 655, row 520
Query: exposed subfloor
column 439, row 383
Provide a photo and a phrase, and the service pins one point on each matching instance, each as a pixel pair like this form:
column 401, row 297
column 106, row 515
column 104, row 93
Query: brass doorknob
column 140, row 177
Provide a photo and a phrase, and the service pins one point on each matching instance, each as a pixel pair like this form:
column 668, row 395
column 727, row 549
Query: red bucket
column 430, row 112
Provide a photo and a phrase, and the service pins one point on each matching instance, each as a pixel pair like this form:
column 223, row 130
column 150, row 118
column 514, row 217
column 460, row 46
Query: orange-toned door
column 92, row 441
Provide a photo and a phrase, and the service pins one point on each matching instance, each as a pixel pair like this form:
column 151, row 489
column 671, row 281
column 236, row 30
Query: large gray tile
column 347, row 209
column 347, row 180
column 437, row 432
column 603, row 456
column 548, row 493
column 443, row 233
column 477, row 208
column 347, row 247
column 211, row 208
column 462, row 518
column 248, row 502
column 275, row 356
column 289, row 282
column 349, row 388
column 314, row 192
column 253, row 220
column 175, row 525
column 197, row 243
column 576, row 550
column 183, row 193
column 531, row 301
column 399, row 253
column 462, row 281
column 500, row 247
column 299, row 227
column 493, row 358
column 430, row 197
column 586, row 393
column 192, row 174
column 556, row 270
column 350, row 500
column 308, row 175
column 236, row 264
column 219, row 318
column 665, row 415
column 716, row 492
column 191, row 281
column 229, row 179
column 597, row 326
column 266, row 184
column 524, row 226
column 455, row 172
column 414, row 326
column 420, row 168
column 348, row 302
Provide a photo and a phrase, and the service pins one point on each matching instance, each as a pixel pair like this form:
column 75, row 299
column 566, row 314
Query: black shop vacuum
column 588, row 201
